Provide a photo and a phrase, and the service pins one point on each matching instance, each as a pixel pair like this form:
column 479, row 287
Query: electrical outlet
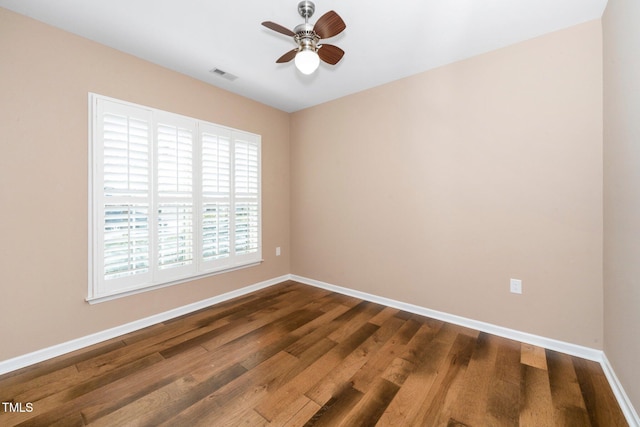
column 515, row 285
column 278, row 251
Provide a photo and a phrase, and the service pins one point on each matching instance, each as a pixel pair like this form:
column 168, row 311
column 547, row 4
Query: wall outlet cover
column 515, row 286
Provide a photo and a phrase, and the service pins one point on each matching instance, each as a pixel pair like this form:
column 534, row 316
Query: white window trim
column 201, row 268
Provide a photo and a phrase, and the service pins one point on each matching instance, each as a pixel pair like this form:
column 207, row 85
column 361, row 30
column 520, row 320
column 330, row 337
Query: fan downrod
column 306, row 9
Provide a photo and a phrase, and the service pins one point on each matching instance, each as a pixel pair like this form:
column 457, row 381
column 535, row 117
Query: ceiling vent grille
column 221, row 73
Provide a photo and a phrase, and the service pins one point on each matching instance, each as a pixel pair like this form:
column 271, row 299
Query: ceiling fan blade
column 330, row 54
column 278, row 28
column 330, row 24
column 287, row 56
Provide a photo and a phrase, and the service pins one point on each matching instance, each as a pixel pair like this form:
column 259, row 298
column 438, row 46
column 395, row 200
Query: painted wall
column 622, row 192
column 45, row 75
column 437, row 189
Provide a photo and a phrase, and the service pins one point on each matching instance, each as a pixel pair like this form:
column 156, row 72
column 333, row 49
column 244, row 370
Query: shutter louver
column 126, row 151
column 126, row 156
column 216, row 237
column 175, row 161
column 216, row 165
column 247, row 228
column 216, row 194
column 246, row 169
column 126, row 240
column 175, row 196
column 175, row 235
column 247, row 207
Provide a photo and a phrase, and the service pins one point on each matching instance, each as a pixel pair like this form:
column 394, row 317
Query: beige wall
column 437, row 189
column 622, row 192
column 45, row 75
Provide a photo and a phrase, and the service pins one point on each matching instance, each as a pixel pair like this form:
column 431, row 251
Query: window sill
column 125, row 293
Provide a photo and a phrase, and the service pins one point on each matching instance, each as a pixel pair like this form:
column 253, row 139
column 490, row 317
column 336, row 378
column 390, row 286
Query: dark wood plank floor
column 294, row 355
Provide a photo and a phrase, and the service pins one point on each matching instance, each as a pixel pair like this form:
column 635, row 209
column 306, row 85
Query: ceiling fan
column 309, row 53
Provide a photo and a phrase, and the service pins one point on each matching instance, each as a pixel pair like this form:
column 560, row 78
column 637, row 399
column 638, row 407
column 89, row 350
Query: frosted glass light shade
column 307, row 61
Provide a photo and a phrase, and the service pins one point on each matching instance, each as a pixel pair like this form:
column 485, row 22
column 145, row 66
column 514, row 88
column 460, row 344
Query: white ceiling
column 384, row 40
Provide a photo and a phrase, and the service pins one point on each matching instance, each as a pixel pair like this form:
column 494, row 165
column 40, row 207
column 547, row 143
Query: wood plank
column 569, row 407
column 327, row 324
column 324, row 389
column 54, row 402
column 433, row 410
column 228, row 403
column 271, row 338
column 280, row 398
column 370, row 408
column 471, row 407
column 297, row 413
column 379, row 363
column 49, row 372
column 175, row 334
column 426, row 352
column 353, row 320
column 533, row 356
column 536, row 405
column 249, row 419
column 115, row 394
column 258, row 323
column 145, row 382
column 158, row 406
column 597, row 394
column 335, row 408
column 397, row 373
column 384, row 315
column 503, row 406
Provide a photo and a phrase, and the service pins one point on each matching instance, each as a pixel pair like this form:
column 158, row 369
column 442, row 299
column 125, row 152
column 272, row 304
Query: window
column 172, row 198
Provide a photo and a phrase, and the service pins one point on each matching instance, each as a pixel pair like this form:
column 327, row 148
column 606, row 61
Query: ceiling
column 384, row 41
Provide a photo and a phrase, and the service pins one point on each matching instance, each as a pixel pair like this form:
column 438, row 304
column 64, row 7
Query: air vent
column 223, row 74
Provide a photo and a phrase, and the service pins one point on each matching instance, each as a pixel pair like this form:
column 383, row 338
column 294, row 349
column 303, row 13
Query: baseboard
column 625, row 404
column 564, row 347
column 560, row 346
column 79, row 343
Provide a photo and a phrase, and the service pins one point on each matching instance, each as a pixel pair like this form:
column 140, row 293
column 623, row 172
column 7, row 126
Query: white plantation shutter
column 175, row 160
column 172, row 198
column 126, row 145
column 247, row 196
column 126, row 240
column 216, row 197
column 122, row 195
column 175, row 235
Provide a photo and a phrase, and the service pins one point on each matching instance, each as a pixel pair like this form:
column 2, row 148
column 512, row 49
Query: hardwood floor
column 294, row 355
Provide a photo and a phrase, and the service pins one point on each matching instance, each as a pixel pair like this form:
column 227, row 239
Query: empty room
column 297, row 213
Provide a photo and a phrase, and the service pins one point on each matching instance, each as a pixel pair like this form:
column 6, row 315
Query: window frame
column 101, row 289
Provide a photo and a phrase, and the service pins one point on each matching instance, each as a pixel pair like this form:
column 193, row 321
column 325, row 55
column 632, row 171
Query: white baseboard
column 625, row 404
column 560, row 346
column 564, row 347
column 79, row 343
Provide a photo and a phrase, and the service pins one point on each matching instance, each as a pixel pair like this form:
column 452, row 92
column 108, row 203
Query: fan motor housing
column 305, row 28
column 305, row 37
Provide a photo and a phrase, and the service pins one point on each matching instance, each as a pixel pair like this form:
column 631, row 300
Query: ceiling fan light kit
column 309, row 52
column 307, row 61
